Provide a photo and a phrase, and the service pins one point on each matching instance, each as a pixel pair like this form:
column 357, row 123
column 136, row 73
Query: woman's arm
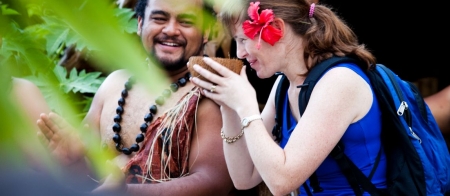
column 340, row 98
column 240, row 165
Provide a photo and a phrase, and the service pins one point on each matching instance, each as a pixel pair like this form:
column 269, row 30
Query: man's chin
column 171, row 58
column 172, row 64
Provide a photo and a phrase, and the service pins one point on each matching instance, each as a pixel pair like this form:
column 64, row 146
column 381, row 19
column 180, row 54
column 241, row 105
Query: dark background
column 409, row 37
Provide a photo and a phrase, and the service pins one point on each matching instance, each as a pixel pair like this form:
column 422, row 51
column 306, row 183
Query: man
column 439, row 104
column 189, row 164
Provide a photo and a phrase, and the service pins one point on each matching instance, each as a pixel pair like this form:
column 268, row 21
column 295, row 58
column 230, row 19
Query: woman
column 292, row 36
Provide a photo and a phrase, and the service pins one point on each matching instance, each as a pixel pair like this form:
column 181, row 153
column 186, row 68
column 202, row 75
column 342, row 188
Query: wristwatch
column 247, row 120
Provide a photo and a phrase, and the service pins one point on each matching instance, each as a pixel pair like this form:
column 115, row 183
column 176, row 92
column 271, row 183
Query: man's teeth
column 170, row 44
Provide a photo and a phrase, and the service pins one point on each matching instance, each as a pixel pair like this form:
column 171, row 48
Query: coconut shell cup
column 234, row 65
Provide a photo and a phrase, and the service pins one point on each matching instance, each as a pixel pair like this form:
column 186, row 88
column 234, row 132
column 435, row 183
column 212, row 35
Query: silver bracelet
column 244, row 123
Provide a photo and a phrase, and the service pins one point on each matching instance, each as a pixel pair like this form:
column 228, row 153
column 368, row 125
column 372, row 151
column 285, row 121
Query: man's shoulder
column 108, row 91
column 208, row 108
column 117, row 74
column 115, row 77
column 114, row 81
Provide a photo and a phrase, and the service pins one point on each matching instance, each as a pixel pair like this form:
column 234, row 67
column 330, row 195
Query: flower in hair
column 260, row 23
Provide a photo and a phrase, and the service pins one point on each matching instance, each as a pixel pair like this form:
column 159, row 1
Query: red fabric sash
column 178, row 146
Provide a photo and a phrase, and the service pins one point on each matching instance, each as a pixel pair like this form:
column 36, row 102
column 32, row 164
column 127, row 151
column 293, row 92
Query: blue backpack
column 418, row 160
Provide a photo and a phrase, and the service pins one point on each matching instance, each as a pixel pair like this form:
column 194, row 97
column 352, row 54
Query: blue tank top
column 362, row 143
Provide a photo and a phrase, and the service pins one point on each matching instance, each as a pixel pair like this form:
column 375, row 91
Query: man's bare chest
column 136, row 106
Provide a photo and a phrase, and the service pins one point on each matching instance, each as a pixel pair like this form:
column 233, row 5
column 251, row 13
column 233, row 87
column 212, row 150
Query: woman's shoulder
column 354, row 67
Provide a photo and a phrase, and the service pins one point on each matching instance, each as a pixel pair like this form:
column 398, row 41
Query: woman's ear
column 278, row 23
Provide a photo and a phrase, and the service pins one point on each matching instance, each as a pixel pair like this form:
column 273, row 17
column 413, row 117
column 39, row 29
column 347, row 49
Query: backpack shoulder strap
column 307, row 87
column 313, row 76
column 353, row 174
column 305, row 92
column 280, row 95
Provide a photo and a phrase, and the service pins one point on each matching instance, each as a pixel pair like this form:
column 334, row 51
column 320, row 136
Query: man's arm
column 30, row 99
column 439, row 104
column 31, row 103
column 65, row 142
column 208, row 172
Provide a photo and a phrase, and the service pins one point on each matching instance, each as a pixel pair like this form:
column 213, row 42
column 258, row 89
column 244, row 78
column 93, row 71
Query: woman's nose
column 241, row 52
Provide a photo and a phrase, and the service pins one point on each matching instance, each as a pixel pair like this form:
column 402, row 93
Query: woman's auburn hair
column 325, row 34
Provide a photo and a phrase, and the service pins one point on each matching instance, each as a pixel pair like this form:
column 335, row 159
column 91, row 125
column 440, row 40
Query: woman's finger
column 222, row 70
column 210, row 76
column 202, row 83
column 243, row 71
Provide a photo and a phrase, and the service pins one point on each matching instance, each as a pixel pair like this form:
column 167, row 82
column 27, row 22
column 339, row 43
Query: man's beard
column 173, row 64
column 169, row 64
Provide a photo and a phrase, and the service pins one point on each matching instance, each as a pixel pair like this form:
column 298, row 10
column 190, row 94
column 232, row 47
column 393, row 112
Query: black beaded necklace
column 147, row 118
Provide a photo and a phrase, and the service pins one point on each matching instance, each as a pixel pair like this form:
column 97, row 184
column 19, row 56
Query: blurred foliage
column 44, row 42
column 33, row 36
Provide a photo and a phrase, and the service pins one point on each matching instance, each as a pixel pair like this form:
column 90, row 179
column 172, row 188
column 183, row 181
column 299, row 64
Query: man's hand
column 114, row 182
column 61, row 138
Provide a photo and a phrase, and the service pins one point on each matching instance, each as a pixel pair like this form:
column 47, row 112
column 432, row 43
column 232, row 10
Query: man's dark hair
column 208, row 12
column 140, row 8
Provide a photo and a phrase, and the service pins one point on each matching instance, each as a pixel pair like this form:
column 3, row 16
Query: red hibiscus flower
column 260, row 23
